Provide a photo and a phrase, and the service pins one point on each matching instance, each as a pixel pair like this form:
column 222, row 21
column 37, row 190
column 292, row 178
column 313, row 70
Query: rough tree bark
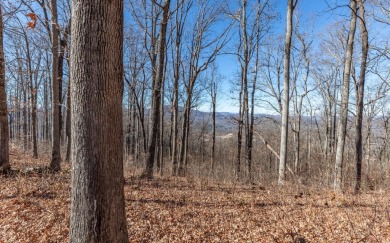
column 97, row 206
column 359, row 88
column 343, row 113
column 55, row 164
column 4, row 136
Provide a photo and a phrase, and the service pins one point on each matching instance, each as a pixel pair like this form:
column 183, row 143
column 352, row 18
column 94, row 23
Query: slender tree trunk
column 184, row 138
column 360, row 97
column 334, row 120
column 250, row 132
column 214, row 104
column 68, row 124
column 156, row 94
column 98, row 206
column 368, row 145
column 299, row 106
column 128, row 132
column 11, row 121
column 180, row 17
column 244, row 76
column 254, row 82
column 33, row 102
column 22, row 126
column 161, row 137
column 34, row 121
column 175, row 108
column 175, row 120
column 17, row 111
column 46, row 109
column 343, row 115
column 61, row 59
column 63, row 43
column 25, row 114
column 133, row 127
column 28, row 117
column 17, row 114
column 55, row 164
column 286, row 94
column 4, row 136
column 239, row 138
column 297, row 136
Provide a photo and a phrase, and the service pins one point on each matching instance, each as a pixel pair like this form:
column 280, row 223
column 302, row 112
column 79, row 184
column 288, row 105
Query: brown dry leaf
column 36, row 208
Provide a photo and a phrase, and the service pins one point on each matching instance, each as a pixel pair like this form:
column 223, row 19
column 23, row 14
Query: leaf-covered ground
column 34, row 207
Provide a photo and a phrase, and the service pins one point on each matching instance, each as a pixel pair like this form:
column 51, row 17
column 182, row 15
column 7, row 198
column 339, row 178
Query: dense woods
column 242, row 91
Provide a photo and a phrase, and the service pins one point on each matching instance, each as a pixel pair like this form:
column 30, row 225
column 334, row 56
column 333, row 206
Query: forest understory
column 35, row 207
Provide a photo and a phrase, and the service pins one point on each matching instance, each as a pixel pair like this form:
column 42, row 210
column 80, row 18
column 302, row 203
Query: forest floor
column 35, row 207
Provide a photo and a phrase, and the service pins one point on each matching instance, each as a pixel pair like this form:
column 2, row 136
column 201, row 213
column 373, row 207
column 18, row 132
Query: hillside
column 35, row 208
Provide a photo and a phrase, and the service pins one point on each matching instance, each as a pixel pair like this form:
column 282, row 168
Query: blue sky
column 314, row 16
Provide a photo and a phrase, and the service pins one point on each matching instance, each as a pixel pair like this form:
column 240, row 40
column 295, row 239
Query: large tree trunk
column 286, row 94
column 360, row 97
column 98, row 207
column 343, row 115
column 156, row 95
column 4, row 136
column 55, row 164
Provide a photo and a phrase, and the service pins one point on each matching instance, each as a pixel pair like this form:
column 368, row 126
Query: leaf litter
column 35, row 207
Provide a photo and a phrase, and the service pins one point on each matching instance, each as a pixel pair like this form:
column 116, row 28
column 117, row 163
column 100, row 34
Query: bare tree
column 359, row 89
column 33, row 88
column 343, row 112
column 181, row 14
column 244, row 60
column 203, row 50
column 156, row 93
column 286, row 93
column 214, row 83
column 271, row 76
column 299, row 94
column 55, row 163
